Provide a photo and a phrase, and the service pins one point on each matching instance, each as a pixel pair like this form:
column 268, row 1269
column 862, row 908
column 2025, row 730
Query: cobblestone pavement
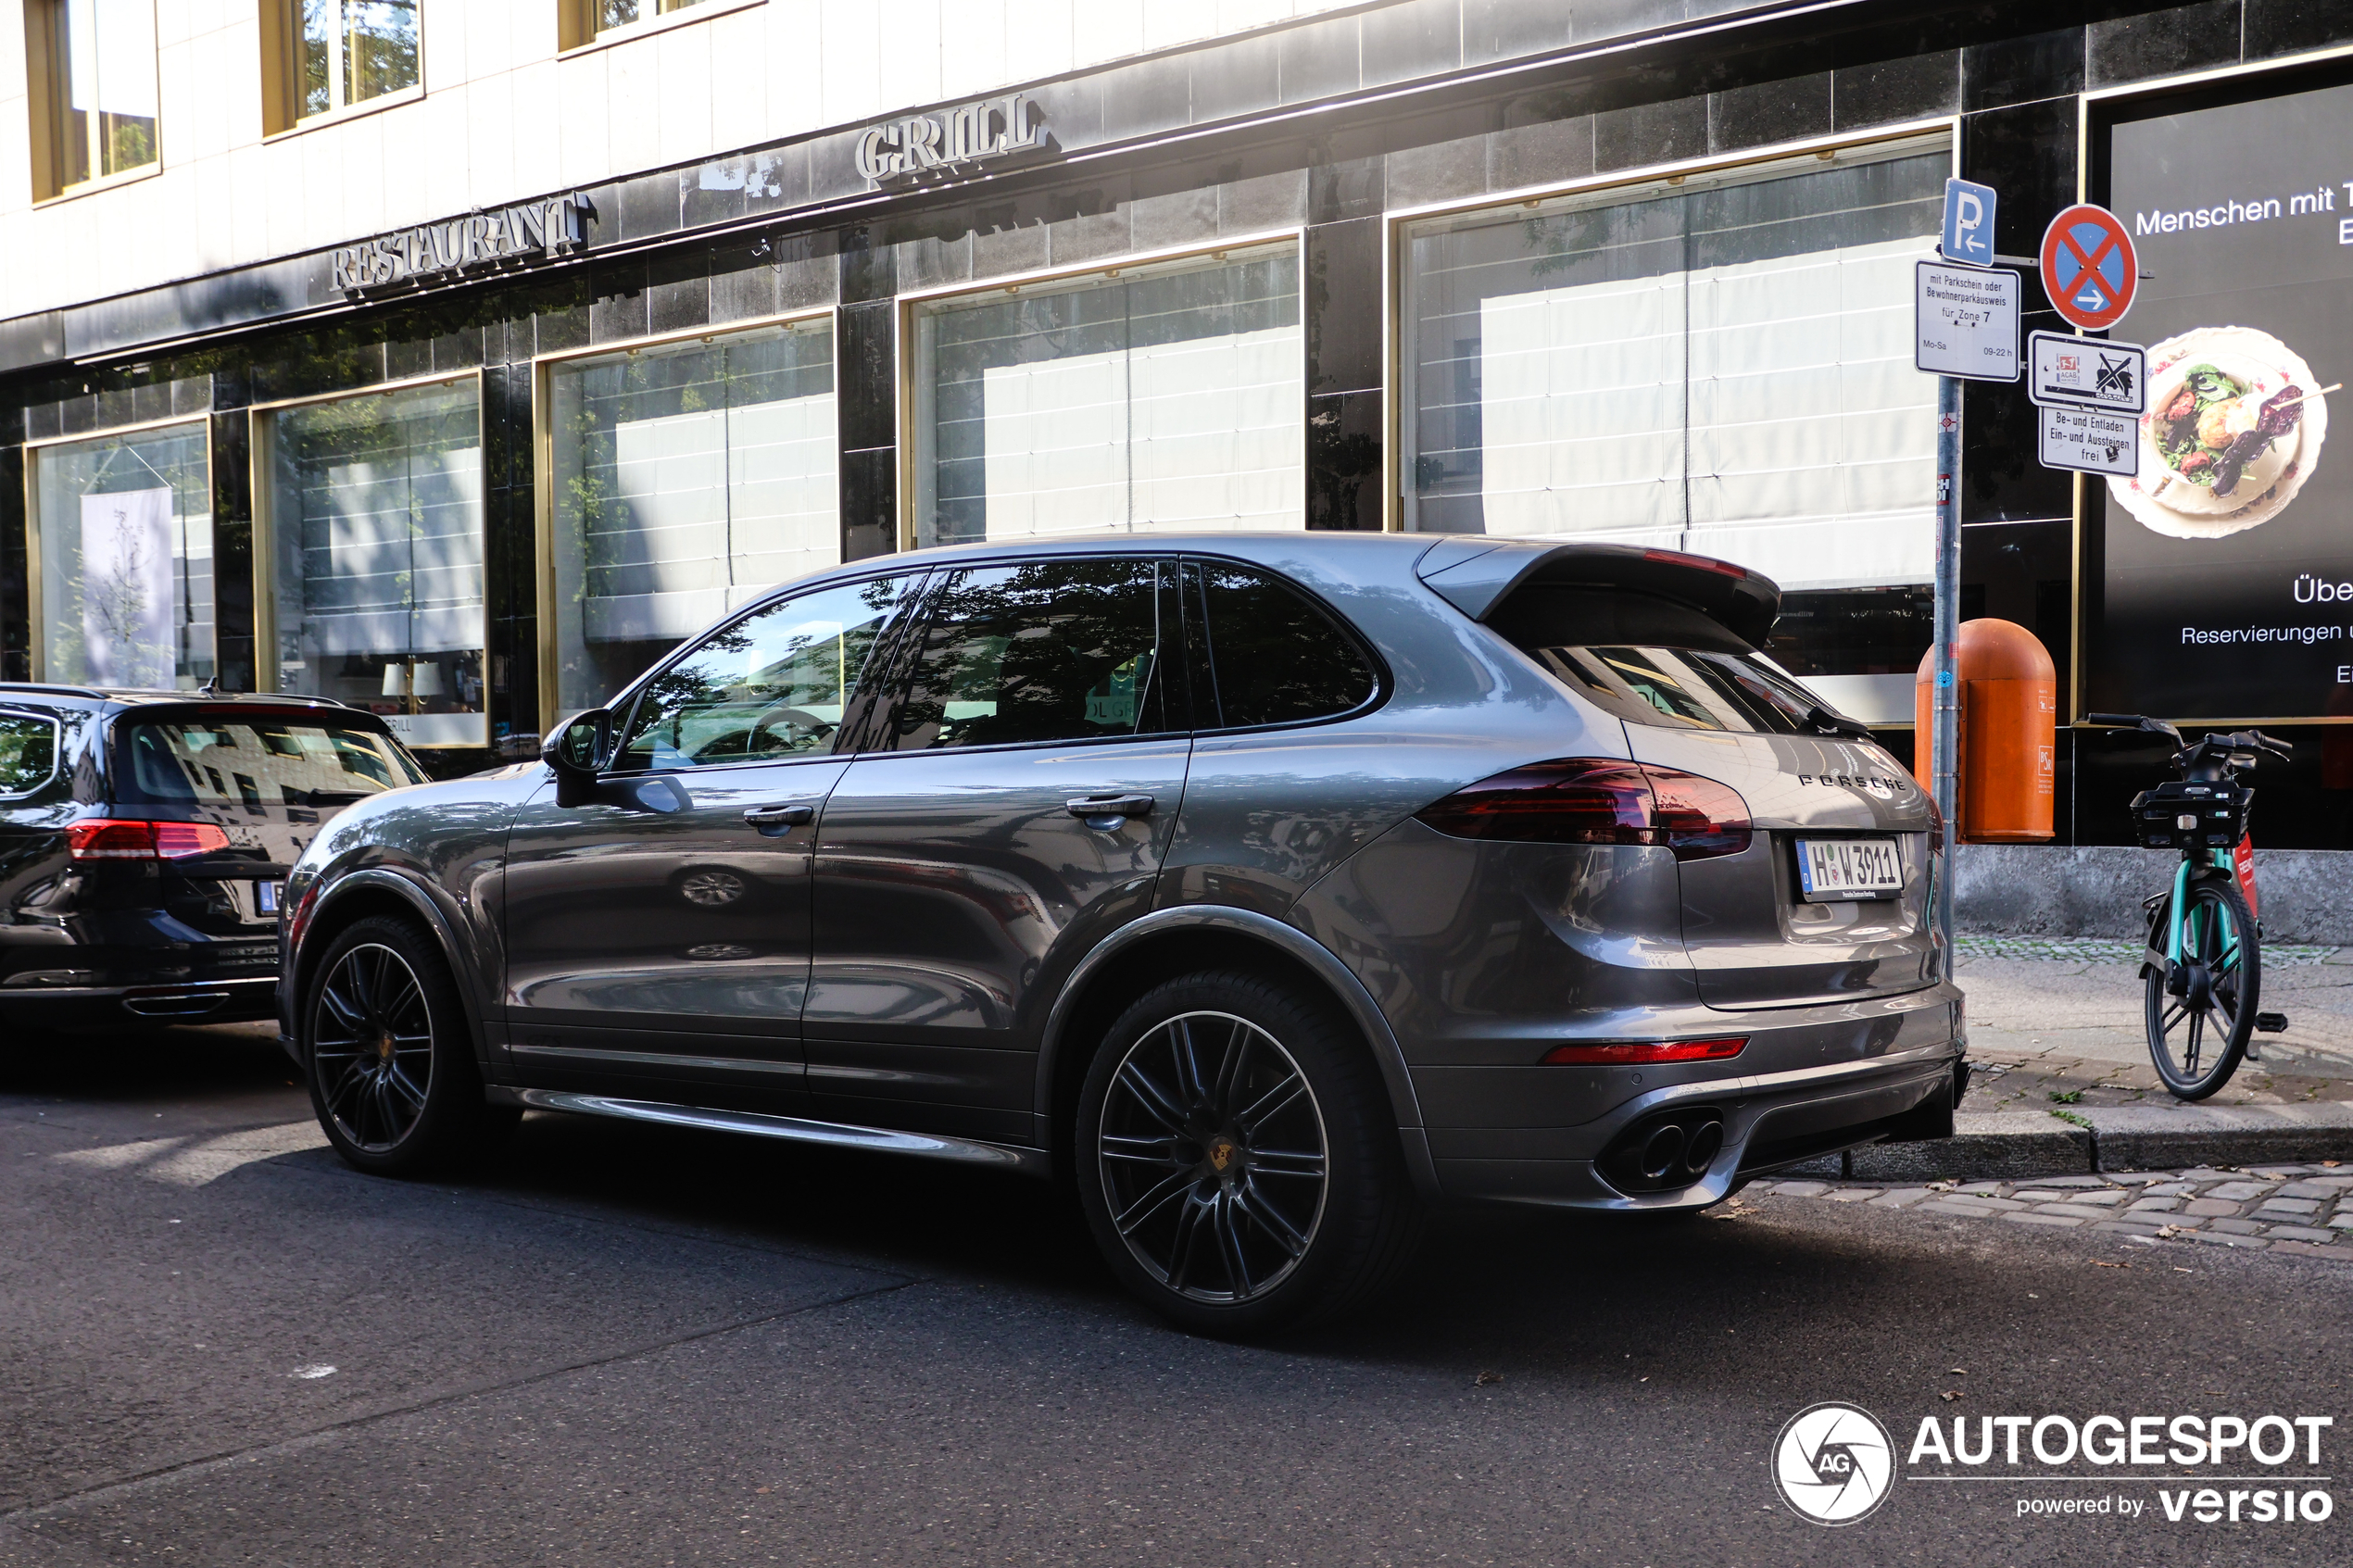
column 2051, row 1018
column 2306, row 1210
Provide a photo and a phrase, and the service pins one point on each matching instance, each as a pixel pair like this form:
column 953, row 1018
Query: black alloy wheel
column 1237, row 1159
column 1212, row 1152
column 390, row 1061
column 371, row 1048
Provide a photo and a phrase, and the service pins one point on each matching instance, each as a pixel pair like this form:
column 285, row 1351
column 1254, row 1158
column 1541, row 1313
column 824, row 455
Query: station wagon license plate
column 265, row 897
column 1848, row 868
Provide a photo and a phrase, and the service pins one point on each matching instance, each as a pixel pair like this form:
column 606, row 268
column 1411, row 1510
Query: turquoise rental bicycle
column 2203, row 967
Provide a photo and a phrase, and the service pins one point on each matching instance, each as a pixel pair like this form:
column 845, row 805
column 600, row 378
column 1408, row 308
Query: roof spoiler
column 1477, row 575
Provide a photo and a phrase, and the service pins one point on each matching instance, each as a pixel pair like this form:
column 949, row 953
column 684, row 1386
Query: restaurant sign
column 439, row 253
column 952, row 143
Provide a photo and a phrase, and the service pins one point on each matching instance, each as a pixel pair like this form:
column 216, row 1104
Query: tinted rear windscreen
column 254, row 762
column 1652, row 661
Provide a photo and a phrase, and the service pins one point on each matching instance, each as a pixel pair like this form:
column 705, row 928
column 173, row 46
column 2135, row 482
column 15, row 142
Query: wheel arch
column 379, row 890
column 1184, row 940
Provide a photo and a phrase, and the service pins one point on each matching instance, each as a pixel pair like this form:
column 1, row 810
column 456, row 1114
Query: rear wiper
column 1829, row 722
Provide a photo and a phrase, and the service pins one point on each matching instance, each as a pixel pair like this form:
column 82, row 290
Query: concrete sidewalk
column 2061, row 1082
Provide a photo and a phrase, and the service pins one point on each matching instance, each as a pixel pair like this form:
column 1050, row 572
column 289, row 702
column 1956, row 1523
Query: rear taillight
column 1705, row 563
column 1598, row 800
column 104, row 839
column 1623, row 1053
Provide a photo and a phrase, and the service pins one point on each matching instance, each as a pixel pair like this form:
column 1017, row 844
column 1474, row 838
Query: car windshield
column 1652, row 661
column 256, row 760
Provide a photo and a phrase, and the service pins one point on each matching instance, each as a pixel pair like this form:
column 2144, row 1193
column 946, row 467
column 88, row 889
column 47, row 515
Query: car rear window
column 1654, row 661
column 255, row 761
column 1277, row 659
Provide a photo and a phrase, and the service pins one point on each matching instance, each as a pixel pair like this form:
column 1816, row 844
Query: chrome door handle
column 774, row 820
column 1092, row 805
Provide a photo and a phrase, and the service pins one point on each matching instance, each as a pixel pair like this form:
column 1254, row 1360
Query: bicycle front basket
column 2180, row 815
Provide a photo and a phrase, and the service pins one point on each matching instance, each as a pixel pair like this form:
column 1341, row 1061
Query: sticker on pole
column 2067, row 372
column 2089, row 267
column 2090, row 441
column 1965, row 322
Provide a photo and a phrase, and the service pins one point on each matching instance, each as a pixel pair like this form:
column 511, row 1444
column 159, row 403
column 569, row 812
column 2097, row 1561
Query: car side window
column 1049, row 650
column 776, row 683
column 28, row 752
column 1273, row 656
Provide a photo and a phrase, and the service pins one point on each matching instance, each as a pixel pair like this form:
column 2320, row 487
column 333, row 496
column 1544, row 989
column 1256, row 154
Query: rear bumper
column 1881, row 1071
column 225, row 1001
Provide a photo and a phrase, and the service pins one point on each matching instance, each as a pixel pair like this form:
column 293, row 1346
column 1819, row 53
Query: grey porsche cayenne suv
column 1270, row 889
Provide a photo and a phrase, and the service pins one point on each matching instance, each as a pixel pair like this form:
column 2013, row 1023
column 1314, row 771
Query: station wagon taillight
column 1599, row 801
column 108, row 840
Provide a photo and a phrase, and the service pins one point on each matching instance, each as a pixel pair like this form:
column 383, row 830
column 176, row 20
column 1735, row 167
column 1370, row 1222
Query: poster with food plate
column 2225, row 581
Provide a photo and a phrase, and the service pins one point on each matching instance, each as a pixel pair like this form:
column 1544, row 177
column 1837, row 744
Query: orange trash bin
column 2009, row 733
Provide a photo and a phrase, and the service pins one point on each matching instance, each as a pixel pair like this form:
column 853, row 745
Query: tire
column 1237, row 1161
column 388, row 1057
column 2199, row 1017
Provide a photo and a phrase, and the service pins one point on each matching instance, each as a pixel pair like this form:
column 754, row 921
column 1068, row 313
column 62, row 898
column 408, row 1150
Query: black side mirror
column 577, row 751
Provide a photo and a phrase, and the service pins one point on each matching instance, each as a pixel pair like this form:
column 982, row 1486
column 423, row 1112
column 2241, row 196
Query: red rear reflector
column 1622, row 1053
column 106, row 840
column 1598, row 800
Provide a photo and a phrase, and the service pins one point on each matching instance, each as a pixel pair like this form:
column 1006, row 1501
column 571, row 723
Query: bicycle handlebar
column 2238, row 740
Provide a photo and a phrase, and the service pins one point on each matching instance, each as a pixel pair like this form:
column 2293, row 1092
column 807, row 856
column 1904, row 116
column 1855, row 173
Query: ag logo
column 1833, row 1464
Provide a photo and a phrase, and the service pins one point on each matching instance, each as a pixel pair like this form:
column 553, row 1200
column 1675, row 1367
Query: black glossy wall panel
column 1343, row 305
column 235, row 655
column 866, row 374
column 1344, row 461
column 869, row 503
column 16, row 603
column 2161, row 43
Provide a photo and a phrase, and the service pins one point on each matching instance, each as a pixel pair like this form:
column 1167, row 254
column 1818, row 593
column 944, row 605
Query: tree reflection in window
column 1047, row 651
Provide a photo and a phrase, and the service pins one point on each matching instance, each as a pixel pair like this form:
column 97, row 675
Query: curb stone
column 2010, row 1144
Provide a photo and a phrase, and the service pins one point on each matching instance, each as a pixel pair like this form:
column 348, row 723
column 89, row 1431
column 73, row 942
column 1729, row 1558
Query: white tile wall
column 501, row 118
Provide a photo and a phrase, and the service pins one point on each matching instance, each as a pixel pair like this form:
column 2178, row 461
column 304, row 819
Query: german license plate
column 1829, row 868
column 265, row 897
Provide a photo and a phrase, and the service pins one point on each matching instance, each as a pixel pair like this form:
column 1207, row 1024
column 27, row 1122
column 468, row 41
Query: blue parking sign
column 1969, row 223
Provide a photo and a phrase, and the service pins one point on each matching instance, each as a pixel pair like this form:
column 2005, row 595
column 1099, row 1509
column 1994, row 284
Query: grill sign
column 952, row 143
column 1831, row 869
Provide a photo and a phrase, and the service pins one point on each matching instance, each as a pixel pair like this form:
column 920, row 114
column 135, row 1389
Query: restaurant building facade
column 459, row 360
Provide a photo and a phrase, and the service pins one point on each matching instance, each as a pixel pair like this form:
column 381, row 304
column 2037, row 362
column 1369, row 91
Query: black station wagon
column 143, row 839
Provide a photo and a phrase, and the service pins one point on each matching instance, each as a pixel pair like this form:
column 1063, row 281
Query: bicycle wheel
column 2199, row 1016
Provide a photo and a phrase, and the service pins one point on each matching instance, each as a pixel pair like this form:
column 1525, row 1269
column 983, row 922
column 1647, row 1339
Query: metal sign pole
column 1945, row 740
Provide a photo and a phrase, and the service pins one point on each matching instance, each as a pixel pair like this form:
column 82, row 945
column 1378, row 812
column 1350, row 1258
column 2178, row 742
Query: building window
column 686, row 478
column 1139, row 398
column 322, row 57
column 583, row 22
column 1723, row 366
column 370, row 521
column 123, row 536
column 93, row 102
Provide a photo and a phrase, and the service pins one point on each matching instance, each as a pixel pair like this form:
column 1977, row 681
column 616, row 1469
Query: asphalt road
column 628, row 1346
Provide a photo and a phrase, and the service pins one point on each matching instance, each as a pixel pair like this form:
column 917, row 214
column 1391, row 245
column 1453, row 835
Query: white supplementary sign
column 2090, row 441
column 1965, row 322
column 2067, row 372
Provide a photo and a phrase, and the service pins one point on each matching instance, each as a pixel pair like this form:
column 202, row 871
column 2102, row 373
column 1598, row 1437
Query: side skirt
column 793, row 1129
